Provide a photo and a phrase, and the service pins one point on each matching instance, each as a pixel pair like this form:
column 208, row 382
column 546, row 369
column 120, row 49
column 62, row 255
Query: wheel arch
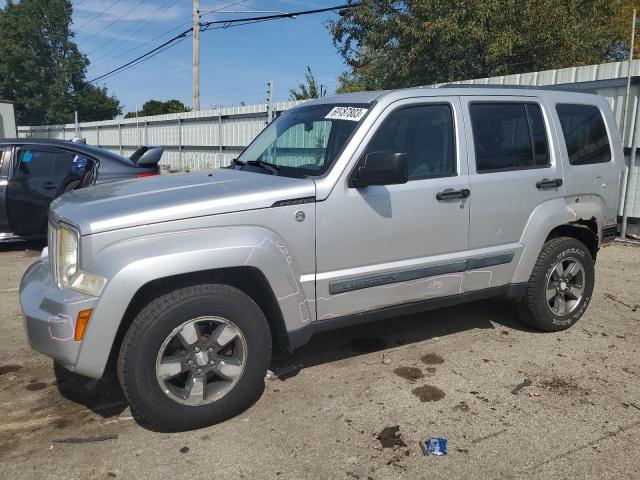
column 557, row 217
column 585, row 231
column 248, row 279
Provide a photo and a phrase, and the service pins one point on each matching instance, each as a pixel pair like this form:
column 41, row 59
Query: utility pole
column 270, row 102
column 626, row 98
column 77, row 122
column 196, row 55
column 634, row 139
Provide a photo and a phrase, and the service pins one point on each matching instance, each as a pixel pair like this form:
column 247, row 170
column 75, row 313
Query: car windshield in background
column 304, row 141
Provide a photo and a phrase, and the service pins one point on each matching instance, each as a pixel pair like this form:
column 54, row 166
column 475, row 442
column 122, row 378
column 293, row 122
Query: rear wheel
column 195, row 357
column 560, row 286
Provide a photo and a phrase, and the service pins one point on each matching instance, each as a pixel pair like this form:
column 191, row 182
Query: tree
column 158, row 107
column 402, row 43
column 41, row 69
column 308, row 91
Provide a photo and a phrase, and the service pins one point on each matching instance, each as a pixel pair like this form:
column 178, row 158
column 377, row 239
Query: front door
column 393, row 244
column 38, row 176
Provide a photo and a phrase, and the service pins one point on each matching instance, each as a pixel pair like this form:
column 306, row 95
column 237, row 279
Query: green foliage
column 309, row 90
column 158, row 107
column 402, row 43
column 41, row 69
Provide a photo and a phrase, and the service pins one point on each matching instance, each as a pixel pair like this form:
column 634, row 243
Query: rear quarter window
column 585, row 134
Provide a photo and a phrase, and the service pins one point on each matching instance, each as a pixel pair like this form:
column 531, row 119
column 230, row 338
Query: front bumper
column 50, row 315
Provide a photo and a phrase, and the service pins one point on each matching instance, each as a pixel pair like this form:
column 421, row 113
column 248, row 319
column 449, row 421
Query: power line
column 142, row 25
column 131, row 67
column 223, row 24
column 97, row 60
column 99, row 14
column 169, row 42
column 116, row 20
column 244, row 21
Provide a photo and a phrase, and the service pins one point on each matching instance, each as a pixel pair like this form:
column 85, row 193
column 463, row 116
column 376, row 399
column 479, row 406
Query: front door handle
column 450, row 194
column 546, row 183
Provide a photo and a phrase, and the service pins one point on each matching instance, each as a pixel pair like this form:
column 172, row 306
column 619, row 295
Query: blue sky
column 236, row 63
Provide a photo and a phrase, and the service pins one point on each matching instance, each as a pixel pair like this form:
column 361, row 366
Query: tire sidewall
column 140, row 354
column 565, row 250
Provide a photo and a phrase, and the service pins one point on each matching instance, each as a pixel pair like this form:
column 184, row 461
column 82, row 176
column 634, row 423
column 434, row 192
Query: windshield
column 304, row 141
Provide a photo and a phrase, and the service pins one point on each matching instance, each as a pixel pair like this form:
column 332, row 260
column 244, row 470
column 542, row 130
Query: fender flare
column 546, row 217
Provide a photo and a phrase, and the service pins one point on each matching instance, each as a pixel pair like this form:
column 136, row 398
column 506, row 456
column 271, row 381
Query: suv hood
column 173, row 197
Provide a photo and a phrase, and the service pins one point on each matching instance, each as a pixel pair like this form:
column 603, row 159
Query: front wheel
column 560, row 286
column 194, row 357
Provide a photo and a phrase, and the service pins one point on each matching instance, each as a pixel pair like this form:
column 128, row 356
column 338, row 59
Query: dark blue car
column 35, row 171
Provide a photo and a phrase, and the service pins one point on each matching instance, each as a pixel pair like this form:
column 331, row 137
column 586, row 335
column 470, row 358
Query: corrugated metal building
column 7, row 120
column 211, row 138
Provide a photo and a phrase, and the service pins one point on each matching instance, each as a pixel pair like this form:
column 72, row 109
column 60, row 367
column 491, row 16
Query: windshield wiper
column 235, row 162
column 270, row 167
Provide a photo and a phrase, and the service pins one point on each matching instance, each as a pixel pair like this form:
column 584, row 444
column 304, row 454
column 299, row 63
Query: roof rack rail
column 563, row 88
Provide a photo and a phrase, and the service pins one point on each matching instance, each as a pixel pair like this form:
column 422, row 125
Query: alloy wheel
column 565, row 286
column 201, row 360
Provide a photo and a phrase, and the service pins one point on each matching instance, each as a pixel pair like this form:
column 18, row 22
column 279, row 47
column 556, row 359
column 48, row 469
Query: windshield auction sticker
column 346, row 113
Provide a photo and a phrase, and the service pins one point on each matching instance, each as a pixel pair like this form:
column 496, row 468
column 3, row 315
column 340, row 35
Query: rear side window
column 584, row 133
column 508, row 136
column 39, row 163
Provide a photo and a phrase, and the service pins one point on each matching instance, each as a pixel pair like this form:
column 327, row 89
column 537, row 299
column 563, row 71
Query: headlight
column 67, row 269
column 67, row 255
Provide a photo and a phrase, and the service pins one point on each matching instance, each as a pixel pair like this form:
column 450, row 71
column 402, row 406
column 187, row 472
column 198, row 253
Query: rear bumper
column 50, row 314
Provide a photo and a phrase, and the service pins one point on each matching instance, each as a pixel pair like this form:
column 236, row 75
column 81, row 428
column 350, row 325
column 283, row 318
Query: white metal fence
column 211, row 138
column 192, row 140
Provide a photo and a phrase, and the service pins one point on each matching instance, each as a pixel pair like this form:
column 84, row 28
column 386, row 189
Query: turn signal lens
column 81, row 324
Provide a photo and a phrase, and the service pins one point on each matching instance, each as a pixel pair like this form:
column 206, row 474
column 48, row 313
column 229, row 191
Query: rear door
column 513, row 169
column 5, row 166
column 38, row 177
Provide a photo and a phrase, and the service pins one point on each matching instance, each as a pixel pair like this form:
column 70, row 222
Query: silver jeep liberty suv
column 343, row 210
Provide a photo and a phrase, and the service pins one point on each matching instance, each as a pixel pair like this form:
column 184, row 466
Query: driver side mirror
column 381, row 168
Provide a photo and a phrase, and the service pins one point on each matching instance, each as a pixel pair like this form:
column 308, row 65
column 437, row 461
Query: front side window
column 304, row 141
column 585, row 134
column 508, row 136
column 426, row 134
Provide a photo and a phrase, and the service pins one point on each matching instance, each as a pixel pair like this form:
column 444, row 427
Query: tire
column 141, row 359
column 552, row 314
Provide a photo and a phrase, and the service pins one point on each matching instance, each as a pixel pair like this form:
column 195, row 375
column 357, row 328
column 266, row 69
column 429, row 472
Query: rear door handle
column 450, row 194
column 546, row 183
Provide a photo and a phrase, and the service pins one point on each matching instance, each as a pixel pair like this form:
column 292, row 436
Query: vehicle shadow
column 104, row 397
column 378, row 336
column 32, row 246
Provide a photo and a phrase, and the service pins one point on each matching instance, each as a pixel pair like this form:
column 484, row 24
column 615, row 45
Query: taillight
column 146, row 174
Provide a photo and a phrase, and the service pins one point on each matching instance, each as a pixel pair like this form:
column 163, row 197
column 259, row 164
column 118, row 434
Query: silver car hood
column 173, row 197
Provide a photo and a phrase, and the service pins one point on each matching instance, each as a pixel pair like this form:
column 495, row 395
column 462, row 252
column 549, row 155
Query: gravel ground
column 447, row 373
